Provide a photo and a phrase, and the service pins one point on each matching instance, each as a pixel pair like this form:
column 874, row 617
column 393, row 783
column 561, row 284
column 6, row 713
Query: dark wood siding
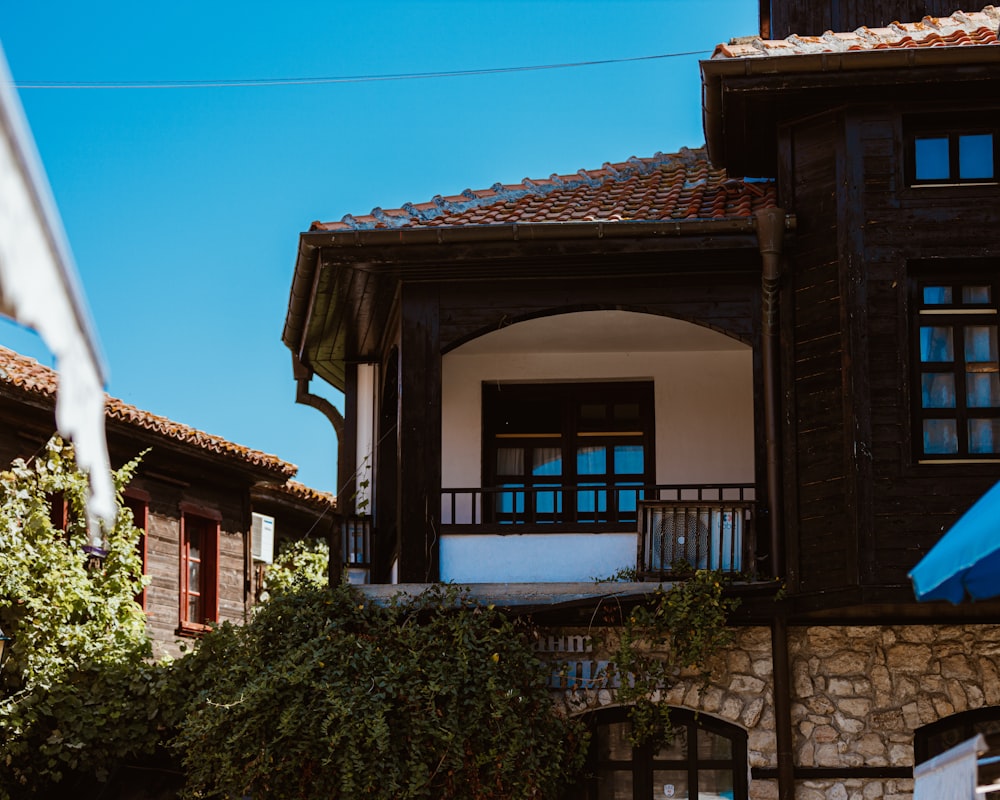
column 812, row 18
column 817, row 479
column 912, row 504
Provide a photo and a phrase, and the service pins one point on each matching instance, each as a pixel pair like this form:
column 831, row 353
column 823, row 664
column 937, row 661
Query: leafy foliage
column 299, row 561
column 77, row 691
column 325, row 694
column 682, row 628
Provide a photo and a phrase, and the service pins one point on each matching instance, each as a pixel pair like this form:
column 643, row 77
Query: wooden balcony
column 705, row 526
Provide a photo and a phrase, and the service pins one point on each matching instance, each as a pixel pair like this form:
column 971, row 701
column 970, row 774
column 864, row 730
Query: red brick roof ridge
column 27, row 375
column 961, row 29
column 661, row 187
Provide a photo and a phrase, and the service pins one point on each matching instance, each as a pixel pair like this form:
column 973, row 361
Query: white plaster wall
column 535, row 557
column 704, row 434
column 703, row 407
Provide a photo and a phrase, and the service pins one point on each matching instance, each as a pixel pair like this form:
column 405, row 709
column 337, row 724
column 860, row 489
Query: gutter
column 306, row 274
column 714, row 71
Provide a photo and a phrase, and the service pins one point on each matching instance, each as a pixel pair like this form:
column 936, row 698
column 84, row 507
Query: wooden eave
column 745, row 100
column 345, row 282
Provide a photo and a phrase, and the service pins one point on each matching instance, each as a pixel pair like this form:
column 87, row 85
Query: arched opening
column 556, row 428
column 706, row 759
column 933, row 739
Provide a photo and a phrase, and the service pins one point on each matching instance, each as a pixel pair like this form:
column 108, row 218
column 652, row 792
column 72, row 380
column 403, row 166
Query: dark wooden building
column 196, row 496
column 777, row 358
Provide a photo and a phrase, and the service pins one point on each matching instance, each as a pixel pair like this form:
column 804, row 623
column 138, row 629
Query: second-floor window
column 567, row 452
column 199, row 572
column 957, row 408
column 953, row 150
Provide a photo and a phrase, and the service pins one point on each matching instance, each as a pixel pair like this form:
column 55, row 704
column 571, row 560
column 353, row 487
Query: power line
column 400, row 76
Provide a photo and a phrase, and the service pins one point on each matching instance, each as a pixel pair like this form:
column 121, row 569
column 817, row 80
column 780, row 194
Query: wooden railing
column 555, row 508
column 676, row 535
column 356, row 547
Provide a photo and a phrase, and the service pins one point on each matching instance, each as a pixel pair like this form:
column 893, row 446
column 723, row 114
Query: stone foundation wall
column 858, row 694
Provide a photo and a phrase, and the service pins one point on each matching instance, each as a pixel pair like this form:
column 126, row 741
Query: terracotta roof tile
column 961, row 29
column 677, row 186
column 29, row 376
column 299, row 491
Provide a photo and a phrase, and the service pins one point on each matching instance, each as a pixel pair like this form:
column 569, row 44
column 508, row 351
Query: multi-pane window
column 706, row 758
column 567, row 453
column 958, row 393
column 959, row 149
column 199, row 571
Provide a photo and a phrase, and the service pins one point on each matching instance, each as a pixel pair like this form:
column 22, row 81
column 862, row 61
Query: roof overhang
column 745, row 99
column 341, row 276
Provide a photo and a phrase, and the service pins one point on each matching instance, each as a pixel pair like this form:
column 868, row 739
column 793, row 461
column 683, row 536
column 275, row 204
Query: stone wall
column 858, row 694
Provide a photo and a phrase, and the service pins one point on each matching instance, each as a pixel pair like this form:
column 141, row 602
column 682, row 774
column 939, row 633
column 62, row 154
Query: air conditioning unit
column 262, row 538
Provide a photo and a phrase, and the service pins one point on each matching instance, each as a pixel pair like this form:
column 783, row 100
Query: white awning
column 39, row 288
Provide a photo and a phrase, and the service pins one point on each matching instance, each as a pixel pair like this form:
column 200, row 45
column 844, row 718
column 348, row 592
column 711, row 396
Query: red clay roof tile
column 961, row 29
column 677, row 186
column 27, row 375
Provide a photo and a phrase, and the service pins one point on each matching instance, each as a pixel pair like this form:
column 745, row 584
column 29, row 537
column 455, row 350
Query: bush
column 324, row 694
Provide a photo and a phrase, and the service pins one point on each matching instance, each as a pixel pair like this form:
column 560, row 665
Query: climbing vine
column 680, row 628
column 77, row 691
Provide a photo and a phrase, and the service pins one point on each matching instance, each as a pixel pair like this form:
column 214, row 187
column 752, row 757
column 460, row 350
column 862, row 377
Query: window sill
column 192, row 630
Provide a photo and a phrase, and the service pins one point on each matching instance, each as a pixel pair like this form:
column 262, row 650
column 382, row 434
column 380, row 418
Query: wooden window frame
column 955, row 315
column 138, row 503
column 643, row 762
column 208, row 588
column 562, row 401
column 952, row 128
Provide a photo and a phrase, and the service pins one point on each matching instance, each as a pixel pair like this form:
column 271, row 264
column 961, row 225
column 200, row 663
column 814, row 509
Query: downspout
column 329, row 410
column 770, row 231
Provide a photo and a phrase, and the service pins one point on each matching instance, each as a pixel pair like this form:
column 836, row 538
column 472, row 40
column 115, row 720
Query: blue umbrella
column 966, row 559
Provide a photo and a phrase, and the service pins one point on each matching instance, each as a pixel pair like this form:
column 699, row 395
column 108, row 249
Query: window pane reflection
column 975, row 295
column 628, row 459
column 613, row 743
column 984, row 436
column 983, row 389
column 715, row 783
column 932, row 158
column 614, row 784
column 670, row 783
column 510, row 461
column 591, row 461
column 936, row 344
column 940, row 436
column 712, row 746
column 937, row 295
column 547, row 461
column 980, row 343
column 975, row 156
column 937, row 390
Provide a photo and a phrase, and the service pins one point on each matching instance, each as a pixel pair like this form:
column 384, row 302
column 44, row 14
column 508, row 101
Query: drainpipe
column 325, row 407
column 770, row 231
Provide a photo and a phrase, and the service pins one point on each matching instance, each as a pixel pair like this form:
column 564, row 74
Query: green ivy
column 78, row 691
column 681, row 628
column 327, row 694
column 299, row 561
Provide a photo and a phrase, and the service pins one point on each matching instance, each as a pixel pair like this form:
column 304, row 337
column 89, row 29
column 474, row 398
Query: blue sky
column 183, row 206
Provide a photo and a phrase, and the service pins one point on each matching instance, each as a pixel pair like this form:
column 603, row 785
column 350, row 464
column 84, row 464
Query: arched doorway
column 707, row 760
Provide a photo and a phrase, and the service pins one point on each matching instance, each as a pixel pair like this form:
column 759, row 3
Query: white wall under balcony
column 535, row 557
column 703, row 391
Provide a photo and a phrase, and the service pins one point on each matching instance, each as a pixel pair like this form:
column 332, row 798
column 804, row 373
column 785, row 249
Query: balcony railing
column 676, row 535
column 356, row 547
column 557, row 509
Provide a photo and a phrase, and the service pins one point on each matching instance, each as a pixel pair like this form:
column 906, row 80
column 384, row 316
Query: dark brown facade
column 786, row 17
column 191, row 489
